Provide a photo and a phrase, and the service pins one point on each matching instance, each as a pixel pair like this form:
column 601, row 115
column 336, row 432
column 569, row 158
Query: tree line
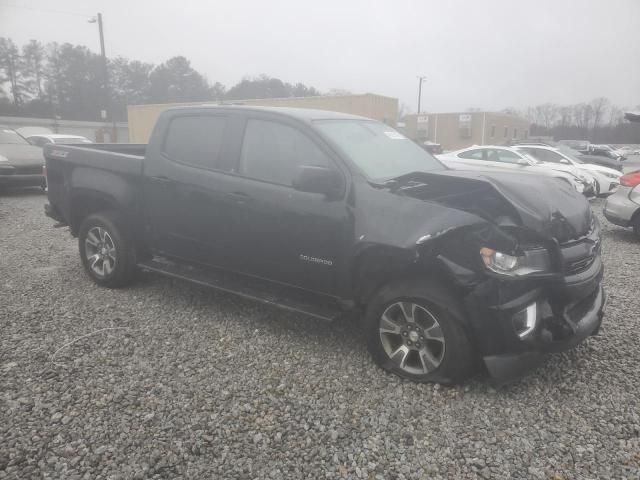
column 598, row 121
column 68, row 81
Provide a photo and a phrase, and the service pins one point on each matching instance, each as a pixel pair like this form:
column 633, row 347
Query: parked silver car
column 623, row 207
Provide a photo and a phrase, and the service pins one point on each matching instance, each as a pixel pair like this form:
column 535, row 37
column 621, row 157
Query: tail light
column 630, row 179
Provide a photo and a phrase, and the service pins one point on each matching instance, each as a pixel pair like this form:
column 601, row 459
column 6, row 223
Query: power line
column 45, row 10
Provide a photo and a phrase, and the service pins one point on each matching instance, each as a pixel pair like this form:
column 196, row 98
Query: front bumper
column 619, row 208
column 22, row 180
column 569, row 308
column 508, row 366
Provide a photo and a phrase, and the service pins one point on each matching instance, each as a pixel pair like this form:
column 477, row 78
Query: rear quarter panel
column 76, row 174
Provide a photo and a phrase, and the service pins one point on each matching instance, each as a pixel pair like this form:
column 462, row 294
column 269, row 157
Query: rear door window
column 505, row 156
column 477, row 154
column 197, row 141
column 546, row 155
column 272, row 152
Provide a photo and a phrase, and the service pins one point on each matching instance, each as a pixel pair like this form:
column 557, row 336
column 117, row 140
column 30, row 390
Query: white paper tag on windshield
column 395, row 135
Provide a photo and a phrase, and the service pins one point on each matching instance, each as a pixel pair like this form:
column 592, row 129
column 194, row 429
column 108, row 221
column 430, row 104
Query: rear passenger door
column 189, row 210
column 286, row 235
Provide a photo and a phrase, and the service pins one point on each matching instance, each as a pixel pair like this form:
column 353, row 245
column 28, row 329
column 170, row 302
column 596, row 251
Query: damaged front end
column 529, row 277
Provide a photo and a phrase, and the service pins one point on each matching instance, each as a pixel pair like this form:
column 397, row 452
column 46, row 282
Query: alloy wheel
column 412, row 338
column 100, row 251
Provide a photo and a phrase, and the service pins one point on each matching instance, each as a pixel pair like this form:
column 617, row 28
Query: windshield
column 9, row 136
column 377, row 149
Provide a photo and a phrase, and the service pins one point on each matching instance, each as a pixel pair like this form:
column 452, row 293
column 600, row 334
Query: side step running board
column 292, row 299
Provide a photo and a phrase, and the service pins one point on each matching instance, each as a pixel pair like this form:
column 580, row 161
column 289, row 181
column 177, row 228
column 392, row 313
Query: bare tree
column 582, row 115
column 599, row 107
column 549, row 114
column 565, row 115
column 616, row 115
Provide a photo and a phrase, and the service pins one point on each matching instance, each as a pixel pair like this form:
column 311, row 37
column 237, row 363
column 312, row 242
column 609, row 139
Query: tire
column 597, row 189
column 107, row 250
column 448, row 360
column 635, row 224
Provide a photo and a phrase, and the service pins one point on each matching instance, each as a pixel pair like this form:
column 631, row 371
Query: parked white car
column 627, row 150
column 42, row 139
column 607, row 179
column 506, row 158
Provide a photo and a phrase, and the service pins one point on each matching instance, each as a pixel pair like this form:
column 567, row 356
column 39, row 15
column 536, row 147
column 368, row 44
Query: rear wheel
column 412, row 336
column 106, row 249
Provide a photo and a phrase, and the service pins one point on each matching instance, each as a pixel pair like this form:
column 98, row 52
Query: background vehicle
column 322, row 213
column 580, row 145
column 565, row 146
column 626, row 150
column 604, row 151
column 607, row 179
column 623, row 207
column 41, row 140
column 21, row 164
column 501, row 158
column 431, row 147
column 591, row 159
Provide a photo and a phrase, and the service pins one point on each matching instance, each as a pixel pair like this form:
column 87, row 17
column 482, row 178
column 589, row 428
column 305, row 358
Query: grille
column 579, row 255
column 580, row 265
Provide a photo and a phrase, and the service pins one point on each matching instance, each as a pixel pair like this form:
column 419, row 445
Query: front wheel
column 635, row 223
column 106, row 249
column 416, row 338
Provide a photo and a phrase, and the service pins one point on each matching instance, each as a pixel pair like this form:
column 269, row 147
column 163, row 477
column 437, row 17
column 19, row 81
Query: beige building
column 463, row 129
column 142, row 118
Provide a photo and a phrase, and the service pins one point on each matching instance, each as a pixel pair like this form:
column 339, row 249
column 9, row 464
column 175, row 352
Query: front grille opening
column 580, row 265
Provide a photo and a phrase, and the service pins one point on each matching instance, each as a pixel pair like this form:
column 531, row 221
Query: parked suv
column 327, row 214
column 623, row 207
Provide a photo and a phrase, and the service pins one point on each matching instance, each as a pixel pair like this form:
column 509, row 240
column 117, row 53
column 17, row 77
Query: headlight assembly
column 532, row 261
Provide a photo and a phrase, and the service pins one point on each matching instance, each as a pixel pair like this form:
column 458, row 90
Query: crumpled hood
column 545, row 205
column 21, row 155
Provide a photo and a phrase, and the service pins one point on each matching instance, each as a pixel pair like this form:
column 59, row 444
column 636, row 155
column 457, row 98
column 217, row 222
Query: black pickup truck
column 331, row 214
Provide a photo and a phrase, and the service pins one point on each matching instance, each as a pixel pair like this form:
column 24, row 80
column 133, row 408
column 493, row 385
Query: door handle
column 239, row 197
column 160, row 179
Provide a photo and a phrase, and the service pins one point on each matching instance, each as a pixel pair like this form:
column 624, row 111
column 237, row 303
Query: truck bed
column 121, row 158
column 113, row 171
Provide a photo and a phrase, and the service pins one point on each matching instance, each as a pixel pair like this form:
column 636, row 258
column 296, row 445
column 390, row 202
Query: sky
column 487, row 54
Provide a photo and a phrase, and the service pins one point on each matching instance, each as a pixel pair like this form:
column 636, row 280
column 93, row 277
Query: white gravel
column 198, row 384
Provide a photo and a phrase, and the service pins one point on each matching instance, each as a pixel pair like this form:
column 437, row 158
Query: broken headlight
column 531, row 261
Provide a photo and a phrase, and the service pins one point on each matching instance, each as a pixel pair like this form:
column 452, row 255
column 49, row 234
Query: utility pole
column 105, row 75
column 420, row 80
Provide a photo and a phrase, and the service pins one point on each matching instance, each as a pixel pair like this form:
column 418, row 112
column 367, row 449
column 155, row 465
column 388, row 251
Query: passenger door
column 286, row 235
column 187, row 188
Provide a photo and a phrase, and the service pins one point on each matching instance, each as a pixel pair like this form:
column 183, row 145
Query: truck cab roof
column 303, row 114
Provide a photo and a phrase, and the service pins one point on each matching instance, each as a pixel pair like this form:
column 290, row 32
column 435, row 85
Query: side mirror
column 565, row 161
column 522, row 162
column 314, row 179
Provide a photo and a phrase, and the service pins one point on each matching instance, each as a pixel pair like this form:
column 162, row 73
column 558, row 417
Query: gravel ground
column 182, row 382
